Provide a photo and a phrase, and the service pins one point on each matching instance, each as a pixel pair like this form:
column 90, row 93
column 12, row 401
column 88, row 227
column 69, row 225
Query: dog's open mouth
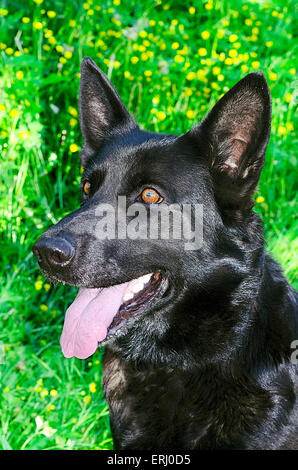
column 97, row 315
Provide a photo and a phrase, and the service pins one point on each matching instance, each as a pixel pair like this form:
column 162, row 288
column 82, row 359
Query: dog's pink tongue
column 87, row 319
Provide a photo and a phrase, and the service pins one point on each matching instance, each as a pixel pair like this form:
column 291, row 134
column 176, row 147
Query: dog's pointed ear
column 235, row 135
column 101, row 109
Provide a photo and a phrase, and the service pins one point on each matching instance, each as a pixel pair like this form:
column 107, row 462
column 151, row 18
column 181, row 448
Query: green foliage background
column 171, row 61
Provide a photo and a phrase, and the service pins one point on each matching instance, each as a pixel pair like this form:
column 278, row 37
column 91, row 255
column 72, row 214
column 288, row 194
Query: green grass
column 39, row 174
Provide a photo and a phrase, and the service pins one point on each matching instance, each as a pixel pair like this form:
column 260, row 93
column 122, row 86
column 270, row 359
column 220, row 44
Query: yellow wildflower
column 20, row 75
column 205, row 34
column 202, row 51
column 161, row 115
column 14, row 113
column 73, row 148
column 190, row 114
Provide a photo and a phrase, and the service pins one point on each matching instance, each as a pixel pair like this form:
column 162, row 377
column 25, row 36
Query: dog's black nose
column 54, row 251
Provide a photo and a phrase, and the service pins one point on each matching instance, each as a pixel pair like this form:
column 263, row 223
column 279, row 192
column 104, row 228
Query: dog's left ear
column 235, row 134
column 101, row 109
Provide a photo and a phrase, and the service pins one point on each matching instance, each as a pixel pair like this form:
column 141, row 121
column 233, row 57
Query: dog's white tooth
column 137, row 287
column 146, row 278
column 128, row 296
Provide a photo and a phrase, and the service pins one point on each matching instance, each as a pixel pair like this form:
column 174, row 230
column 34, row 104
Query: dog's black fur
column 208, row 365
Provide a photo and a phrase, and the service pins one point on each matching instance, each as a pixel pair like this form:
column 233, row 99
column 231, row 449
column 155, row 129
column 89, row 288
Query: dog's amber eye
column 150, row 196
column 87, row 187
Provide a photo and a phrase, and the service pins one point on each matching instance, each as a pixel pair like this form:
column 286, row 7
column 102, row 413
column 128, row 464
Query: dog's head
column 134, row 279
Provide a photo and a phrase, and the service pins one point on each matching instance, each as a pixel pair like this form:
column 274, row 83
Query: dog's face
column 133, row 290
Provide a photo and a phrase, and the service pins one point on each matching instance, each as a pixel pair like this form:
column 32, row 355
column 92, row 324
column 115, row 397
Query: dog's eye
column 151, row 196
column 87, row 187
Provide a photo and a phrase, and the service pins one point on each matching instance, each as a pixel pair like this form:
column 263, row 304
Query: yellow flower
column 143, row 34
column 292, row 71
column 233, row 53
column 14, row 113
column 38, row 285
column 37, row 25
column 25, row 19
column 161, row 115
column 73, row 122
column 282, row 130
column 9, row 51
column 44, row 393
column 44, row 307
column 216, row 70
column 179, row 58
column 233, row 38
column 92, row 387
column 289, row 126
column 273, row 76
column 72, row 23
column 6, row 389
column 209, row 6
column 2, row 107
column 152, row 23
column 188, row 92
column 144, row 56
column 53, row 393
column 155, row 100
column 47, row 287
column 248, row 22
column 288, row 98
column 51, row 14
column 38, row 2
column 52, row 40
column 190, row 114
column 255, row 64
column 24, row 134
column 20, row 75
column 244, row 68
column 205, row 34
column 62, row 60
column 174, row 22
column 220, row 33
column 87, row 399
column 59, row 48
column 191, row 76
column 3, row 12
column 73, row 148
column 260, row 199
column 228, row 61
column 134, row 59
column 46, row 47
column 68, row 54
column 50, row 408
column 175, row 45
column 192, row 10
column 269, row 43
column 202, row 51
column 147, row 73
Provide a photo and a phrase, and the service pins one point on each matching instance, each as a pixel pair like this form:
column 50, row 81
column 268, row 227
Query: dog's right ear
column 101, row 109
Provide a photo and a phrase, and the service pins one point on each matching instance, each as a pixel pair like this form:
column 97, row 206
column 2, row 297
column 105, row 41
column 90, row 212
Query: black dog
column 199, row 341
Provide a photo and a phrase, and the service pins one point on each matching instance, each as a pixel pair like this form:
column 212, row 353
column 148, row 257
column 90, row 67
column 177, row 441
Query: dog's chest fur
column 166, row 408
